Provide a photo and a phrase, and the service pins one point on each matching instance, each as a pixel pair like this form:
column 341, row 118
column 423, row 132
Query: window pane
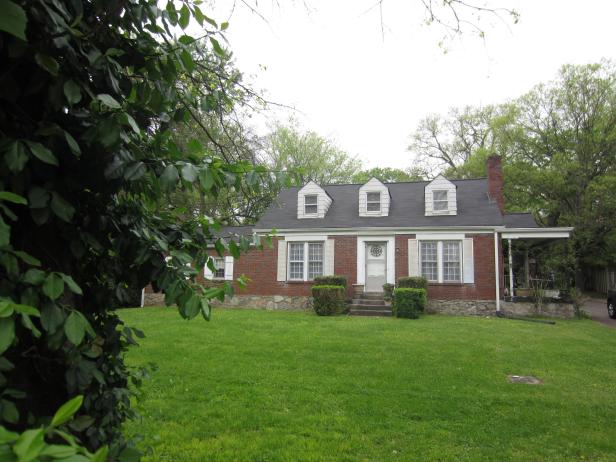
column 312, row 200
column 315, row 268
column 451, row 261
column 296, row 270
column 311, row 209
column 315, row 251
column 296, row 251
column 374, row 197
column 429, row 268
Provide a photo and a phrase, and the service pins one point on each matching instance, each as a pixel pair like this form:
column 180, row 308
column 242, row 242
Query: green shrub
column 328, row 300
column 413, row 282
column 333, row 280
column 408, row 303
column 388, row 290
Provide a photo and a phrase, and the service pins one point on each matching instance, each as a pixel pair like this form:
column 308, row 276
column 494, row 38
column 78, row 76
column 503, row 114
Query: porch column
column 510, row 269
column 526, row 269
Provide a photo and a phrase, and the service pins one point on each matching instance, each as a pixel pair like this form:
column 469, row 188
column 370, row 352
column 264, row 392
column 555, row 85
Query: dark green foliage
column 413, row 282
column 88, row 161
column 409, row 303
column 328, row 300
column 333, row 280
column 388, row 290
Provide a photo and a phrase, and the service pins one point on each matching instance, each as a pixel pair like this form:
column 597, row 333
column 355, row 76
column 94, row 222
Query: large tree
column 89, row 95
column 310, row 155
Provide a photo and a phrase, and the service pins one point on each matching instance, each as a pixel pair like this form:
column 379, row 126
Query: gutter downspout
column 496, row 272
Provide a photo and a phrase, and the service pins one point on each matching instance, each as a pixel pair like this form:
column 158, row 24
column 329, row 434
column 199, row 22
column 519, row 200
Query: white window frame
column 435, row 209
column 440, row 262
column 219, row 264
column 305, row 261
column 421, row 262
column 316, row 204
column 368, row 202
column 459, row 243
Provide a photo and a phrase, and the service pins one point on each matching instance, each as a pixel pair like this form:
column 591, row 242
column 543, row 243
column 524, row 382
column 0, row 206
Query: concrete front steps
column 369, row 304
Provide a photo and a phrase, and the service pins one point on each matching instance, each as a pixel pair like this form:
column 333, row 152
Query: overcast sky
column 367, row 90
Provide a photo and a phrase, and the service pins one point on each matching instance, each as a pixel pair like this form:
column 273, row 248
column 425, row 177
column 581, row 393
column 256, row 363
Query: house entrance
column 376, row 266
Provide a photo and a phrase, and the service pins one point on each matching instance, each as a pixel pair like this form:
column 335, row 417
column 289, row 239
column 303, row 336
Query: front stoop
column 369, row 304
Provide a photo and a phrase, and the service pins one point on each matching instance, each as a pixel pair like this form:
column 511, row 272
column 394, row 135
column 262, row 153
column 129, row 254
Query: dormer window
column 373, row 202
column 441, row 197
column 439, row 200
column 311, row 204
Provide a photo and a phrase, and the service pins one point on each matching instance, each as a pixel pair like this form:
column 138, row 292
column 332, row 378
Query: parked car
column 611, row 303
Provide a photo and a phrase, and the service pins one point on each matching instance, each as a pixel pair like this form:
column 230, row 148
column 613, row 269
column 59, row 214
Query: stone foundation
column 462, row 307
column 268, row 302
column 153, row 299
column 550, row 309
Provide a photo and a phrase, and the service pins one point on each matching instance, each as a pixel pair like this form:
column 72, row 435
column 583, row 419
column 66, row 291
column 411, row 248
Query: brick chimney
column 495, row 182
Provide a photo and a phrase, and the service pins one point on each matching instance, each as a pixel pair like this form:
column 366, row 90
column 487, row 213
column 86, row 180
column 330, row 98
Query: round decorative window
column 376, row 250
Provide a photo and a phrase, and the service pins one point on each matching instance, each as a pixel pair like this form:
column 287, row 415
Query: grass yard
column 273, row 386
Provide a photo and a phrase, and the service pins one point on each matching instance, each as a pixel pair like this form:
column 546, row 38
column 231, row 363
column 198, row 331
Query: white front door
column 376, row 266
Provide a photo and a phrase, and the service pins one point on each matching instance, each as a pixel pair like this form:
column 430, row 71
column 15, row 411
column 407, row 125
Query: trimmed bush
column 328, row 300
column 413, row 282
column 332, row 280
column 388, row 290
column 408, row 303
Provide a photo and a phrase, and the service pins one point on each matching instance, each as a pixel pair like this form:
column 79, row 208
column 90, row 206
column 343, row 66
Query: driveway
column 597, row 309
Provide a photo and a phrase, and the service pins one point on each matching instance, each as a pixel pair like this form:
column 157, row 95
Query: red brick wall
column 345, row 259
column 495, row 181
column 261, row 267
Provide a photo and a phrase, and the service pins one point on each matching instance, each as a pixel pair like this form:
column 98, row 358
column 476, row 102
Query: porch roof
column 563, row 232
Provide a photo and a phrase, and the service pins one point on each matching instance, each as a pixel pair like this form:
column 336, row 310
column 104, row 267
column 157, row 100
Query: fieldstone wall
column 462, row 307
column 552, row 309
column 153, row 299
column 268, row 302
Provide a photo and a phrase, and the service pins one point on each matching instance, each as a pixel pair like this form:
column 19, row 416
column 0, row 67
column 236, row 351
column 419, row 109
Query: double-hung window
column 219, row 264
column 305, row 261
column 311, row 204
column 451, row 261
column 439, row 201
column 429, row 260
column 441, row 261
column 373, row 202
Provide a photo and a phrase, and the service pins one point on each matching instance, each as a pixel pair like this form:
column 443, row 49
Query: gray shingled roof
column 520, row 220
column 406, row 208
column 233, row 231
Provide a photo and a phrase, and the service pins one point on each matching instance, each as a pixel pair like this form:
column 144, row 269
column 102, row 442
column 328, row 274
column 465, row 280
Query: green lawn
column 268, row 386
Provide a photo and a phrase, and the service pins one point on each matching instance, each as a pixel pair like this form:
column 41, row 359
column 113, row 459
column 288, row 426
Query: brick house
column 450, row 232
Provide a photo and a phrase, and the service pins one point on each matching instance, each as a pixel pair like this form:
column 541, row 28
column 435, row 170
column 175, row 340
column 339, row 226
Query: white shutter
column 413, row 257
column 207, row 273
column 229, row 268
column 468, row 271
column 282, row 261
column 328, row 257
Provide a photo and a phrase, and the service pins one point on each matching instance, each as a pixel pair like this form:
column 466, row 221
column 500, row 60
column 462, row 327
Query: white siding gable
column 440, row 183
column 374, row 186
column 323, row 200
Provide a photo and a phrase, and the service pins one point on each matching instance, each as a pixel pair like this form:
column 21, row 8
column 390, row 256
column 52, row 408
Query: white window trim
column 446, row 201
column 439, row 258
column 380, row 202
column 311, row 214
column 306, row 260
